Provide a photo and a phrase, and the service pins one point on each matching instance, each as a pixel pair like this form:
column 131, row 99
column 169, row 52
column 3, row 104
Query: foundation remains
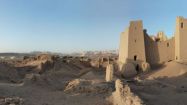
column 124, row 96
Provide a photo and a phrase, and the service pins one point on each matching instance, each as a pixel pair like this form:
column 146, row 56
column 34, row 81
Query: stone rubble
column 11, row 101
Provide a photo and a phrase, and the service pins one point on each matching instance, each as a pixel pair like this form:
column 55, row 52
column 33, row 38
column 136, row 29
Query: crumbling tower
column 181, row 40
column 132, row 45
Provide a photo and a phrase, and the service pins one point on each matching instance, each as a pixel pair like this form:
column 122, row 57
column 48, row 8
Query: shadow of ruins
column 22, row 71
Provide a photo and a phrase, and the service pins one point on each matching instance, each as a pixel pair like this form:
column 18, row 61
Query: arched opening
column 176, row 57
column 135, row 57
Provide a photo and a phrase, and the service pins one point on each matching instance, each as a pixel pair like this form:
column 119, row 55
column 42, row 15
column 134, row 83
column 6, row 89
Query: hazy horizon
column 67, row 26
column 109, row 50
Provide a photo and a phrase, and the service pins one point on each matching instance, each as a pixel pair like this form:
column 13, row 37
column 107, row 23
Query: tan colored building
column 138, row 48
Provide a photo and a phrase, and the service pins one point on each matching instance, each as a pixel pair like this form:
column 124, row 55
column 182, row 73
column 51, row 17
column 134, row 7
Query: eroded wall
column 123, row 48
column 151, row 50
column 181, row 39
column 159, row 52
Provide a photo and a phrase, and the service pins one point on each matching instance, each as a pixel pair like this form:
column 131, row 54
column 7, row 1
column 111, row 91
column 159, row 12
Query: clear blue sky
column 78, row 25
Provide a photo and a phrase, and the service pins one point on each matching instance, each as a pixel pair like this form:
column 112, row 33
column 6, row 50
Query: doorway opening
column 135, row 58
column 137, row 68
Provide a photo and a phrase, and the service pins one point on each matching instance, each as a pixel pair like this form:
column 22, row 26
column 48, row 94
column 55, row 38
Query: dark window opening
column 167, row 44
column 137, row 68
column 135, row 40
column 176, row 57
column 157, row 39
column 135, row 57
column 181, row 25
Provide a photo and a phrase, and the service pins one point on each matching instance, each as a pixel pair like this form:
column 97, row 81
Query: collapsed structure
column 140, row 49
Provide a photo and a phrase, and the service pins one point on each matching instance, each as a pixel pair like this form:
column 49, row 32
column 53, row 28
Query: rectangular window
column 167, row 44
column 181, row 25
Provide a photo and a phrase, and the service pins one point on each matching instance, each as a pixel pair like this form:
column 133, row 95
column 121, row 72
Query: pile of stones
column 11, row 101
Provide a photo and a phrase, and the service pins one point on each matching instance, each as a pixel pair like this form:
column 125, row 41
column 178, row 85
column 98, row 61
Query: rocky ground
column 52, row 80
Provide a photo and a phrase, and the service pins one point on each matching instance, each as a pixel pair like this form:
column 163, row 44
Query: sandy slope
column 170, row 69
column 165, row 86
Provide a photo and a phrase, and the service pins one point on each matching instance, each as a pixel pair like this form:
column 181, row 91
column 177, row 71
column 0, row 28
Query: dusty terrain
column 53, row 80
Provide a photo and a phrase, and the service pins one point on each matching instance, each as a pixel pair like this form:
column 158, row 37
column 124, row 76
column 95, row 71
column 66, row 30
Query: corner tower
column 181, row 40
column 132, row 45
